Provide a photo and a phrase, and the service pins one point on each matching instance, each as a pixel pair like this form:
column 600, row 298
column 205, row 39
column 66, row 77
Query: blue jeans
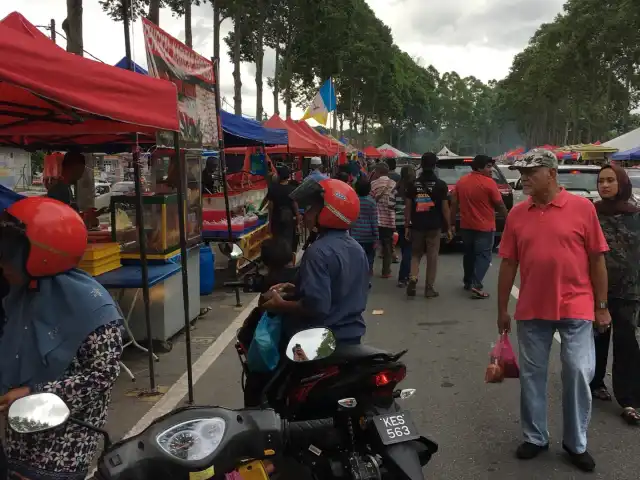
column 477, row 256
column 577, row 355
column 405, row 250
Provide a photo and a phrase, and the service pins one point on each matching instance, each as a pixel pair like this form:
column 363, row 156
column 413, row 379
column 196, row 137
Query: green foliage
column 578, row 80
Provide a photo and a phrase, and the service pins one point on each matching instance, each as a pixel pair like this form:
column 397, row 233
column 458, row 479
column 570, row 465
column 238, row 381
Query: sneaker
column 431, row 293
column 402, row 284
column 583, row 461
column 411, row 287
column 529, row 451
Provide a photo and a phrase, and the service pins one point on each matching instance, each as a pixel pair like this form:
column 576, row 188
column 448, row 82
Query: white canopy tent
column 398, row 153
column 445, row 152
column 625, row 142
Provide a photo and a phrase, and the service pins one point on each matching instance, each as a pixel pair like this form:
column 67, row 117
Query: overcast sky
column 472, row 37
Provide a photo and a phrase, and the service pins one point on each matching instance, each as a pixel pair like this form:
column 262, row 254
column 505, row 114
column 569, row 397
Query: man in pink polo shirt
column 556, row 240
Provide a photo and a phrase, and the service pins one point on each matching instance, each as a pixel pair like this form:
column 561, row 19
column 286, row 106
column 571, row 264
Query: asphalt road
column 475, row 424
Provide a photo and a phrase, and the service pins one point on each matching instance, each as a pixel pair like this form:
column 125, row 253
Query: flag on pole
column 323, row 103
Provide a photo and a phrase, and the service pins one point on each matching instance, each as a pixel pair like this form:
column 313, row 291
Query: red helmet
column 56, row 234
column 341, row 205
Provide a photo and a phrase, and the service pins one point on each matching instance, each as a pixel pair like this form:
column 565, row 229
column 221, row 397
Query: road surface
column 475, row 424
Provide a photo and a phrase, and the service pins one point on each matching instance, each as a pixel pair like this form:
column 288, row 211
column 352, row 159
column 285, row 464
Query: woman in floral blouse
column 620, row 221
column 61, row 335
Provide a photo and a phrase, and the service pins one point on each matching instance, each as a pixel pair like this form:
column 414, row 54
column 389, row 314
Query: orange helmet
column 340, row 203
column 56, row 235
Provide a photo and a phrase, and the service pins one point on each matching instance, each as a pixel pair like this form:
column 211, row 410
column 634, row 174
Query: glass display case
column 161, row 225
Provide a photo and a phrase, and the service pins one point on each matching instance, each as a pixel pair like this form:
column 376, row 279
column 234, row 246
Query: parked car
column 579, row 180
column 634, row 176
column 451, row 169
column 123, row 188
column 512, row 177
column 102, row 195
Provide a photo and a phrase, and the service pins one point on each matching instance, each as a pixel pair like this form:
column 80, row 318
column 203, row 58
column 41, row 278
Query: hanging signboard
column 195, row 78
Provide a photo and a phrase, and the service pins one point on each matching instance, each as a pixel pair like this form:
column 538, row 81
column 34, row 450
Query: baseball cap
column 538, row 157
column 315, row 161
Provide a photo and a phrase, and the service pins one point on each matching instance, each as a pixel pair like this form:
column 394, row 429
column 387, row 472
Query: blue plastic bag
column 264, row 354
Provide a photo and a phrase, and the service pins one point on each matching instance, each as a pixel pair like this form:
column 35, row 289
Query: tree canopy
column 576, row 81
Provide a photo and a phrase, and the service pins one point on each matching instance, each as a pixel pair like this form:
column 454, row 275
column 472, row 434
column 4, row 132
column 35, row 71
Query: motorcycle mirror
column 37, row 413
column 312, row 344
column 231, row 250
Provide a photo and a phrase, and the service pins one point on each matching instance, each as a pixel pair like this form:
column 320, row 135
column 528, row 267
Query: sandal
column 602, row 394
column 478, row 294
column 631, row 416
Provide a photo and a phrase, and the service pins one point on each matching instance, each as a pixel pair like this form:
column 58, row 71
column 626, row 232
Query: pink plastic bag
column 502, row 361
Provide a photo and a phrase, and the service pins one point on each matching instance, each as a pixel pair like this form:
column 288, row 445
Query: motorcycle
column 355, row 382
column 218, row 443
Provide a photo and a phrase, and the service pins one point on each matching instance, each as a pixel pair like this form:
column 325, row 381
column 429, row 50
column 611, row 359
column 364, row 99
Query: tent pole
column 223, row 168
column 142, row 241
column 182, row 198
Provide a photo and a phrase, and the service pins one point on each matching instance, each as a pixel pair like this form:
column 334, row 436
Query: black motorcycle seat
column 356, row 352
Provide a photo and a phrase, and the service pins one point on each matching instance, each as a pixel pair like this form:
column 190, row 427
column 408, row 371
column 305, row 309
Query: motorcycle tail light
column 388, row 377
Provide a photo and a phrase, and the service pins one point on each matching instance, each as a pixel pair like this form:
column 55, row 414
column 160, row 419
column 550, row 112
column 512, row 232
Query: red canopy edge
column 49, row 97
column 372, row 152
column 332, row 147
column 299, row 143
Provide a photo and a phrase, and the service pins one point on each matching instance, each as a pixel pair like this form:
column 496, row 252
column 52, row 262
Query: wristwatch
column 602, row 305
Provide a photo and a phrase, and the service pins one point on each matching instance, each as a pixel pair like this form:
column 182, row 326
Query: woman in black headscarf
column 619, row 217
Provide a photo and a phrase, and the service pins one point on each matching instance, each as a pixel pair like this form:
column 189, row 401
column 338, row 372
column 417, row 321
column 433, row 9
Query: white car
column 634, row 176
column 579, row 180
column 512, row 177
column 103, row 195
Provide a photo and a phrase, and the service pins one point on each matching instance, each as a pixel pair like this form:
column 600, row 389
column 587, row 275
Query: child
column 279, row 259
column 365, row 229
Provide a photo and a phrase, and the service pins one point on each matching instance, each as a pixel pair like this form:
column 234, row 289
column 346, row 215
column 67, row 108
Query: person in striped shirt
column 382, row 191
column 365, row 229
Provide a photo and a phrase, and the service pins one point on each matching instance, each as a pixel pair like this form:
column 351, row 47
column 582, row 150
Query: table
column 165, row 298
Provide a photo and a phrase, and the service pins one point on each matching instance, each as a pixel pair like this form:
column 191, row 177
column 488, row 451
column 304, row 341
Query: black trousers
column 626, row 353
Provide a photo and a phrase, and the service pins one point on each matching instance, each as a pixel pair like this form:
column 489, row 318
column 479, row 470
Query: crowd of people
column 579, row 266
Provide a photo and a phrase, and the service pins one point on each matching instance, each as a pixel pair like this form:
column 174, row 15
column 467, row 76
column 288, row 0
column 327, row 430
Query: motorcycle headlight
column 193, row 440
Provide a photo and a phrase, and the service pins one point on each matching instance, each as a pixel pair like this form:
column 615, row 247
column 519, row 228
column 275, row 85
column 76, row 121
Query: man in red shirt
column 556, row 240
column 477, row 196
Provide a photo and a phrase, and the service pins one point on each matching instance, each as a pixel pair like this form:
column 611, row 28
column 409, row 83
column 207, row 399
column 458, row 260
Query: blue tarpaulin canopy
column 633, row 154
column 242, row 132
column 7, row 197
column 238, row 131
column 136, row 68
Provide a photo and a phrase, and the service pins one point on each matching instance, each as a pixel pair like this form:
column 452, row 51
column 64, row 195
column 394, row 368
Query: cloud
column 472, row 37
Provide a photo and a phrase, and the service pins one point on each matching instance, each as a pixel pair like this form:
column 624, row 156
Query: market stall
column 246, row 188
column 53, row 100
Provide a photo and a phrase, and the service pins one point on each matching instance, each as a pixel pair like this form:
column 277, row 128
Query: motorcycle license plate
column 395, row 428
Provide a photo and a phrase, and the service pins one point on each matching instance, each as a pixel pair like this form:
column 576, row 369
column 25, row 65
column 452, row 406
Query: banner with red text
column 195, row 78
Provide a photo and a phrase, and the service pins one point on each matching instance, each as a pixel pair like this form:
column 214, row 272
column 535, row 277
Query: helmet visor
column 308, row 193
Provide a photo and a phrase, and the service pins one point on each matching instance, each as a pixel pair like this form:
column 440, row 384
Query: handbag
column 264, row 354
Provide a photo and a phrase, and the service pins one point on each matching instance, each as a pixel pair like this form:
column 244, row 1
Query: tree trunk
column 216, row 29
column 258, row 54
column 188, row 33
column 154, row 12
column 237, row 80
column 73, row 27
column 276, row 84
column 287, row 100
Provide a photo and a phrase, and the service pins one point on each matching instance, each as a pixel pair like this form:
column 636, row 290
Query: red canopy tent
column 51, row 99
column 372, row 152
column 299, row 143
column 332, row 147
